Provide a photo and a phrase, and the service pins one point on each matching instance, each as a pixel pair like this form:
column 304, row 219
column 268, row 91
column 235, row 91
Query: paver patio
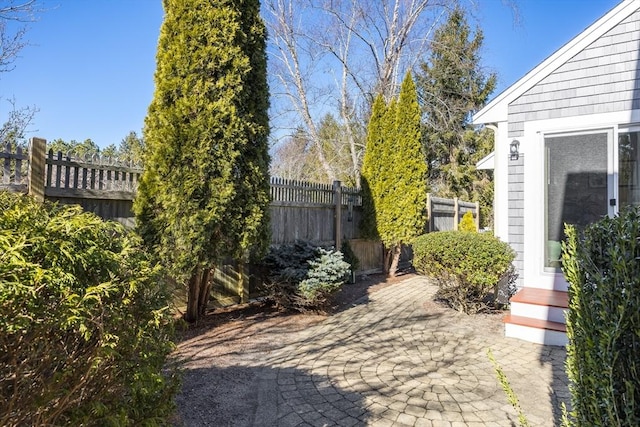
column 394, row 359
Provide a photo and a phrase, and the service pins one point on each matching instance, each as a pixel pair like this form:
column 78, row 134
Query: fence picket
column 299, row 209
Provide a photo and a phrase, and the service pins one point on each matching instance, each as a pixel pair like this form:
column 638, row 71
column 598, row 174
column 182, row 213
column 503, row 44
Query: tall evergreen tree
column 372, row 166
column 395, row 171
column 451, row 87
column 204, row 194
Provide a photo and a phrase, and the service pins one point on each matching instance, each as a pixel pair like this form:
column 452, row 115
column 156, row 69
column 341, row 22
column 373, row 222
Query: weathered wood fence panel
column 14, row 169
column 370, row 254
column 100, row 185
column 446, row 214
column 307, row 211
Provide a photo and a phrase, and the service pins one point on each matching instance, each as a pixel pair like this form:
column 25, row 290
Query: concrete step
column 538, row 315
column 540, row 304
column 542, row 297
column 535, row 330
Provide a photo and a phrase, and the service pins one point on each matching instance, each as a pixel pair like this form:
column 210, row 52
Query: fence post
column 477, row 216
column 37, row 164
column 337, row 199
column 429, row 214
column 456, row 213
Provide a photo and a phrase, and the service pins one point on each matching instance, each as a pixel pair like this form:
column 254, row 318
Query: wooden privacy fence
column 323, row 213
column 446, row 214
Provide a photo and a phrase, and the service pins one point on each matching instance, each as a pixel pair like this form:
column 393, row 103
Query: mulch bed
column 259, row 311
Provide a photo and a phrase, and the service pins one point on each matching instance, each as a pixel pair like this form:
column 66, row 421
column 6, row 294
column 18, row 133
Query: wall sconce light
column 514, row 154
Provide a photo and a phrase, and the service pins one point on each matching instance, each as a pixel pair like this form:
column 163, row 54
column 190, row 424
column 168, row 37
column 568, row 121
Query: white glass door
column 577, row 185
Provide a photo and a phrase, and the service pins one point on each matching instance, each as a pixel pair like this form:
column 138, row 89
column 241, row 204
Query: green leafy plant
column 466, row 266
column 512, row 398
column 302, row 276
column 603, row 321
column 85, row 328
column 467, row 223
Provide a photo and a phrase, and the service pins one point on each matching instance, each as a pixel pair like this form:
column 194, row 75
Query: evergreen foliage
column 350, row 256
column 372, row 167
column 204, row 193
column 603, row 322
column 452, row 86
column 394, row 171
column 302, row 276
column 466, row 266
column 85, row 328
column 467, row 223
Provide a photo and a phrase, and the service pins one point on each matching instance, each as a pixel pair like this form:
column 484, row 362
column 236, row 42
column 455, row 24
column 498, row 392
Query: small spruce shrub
column 603, row 322
column 84, row 323
column 466, row 266
column 302, row 276
column 467, row 223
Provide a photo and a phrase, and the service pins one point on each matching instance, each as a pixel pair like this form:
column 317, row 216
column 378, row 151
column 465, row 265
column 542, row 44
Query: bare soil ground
column 259, row 316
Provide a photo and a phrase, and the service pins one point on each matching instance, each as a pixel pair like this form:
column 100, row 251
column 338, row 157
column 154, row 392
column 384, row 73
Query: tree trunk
column 387, row 260
column 395, row 260
column 192, row 297
column 205, row 289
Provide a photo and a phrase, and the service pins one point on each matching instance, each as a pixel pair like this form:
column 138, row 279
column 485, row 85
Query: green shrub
column 466, row 266
column 603, row 321
column 467, row 223
column 302, row 276
column 349, row 256
column 84, row 324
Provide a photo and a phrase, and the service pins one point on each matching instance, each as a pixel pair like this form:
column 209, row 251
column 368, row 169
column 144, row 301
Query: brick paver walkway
column 401, row 360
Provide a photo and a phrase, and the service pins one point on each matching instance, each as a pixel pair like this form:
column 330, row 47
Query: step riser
column 535, row 335
column 563, row 287
column 534, row 311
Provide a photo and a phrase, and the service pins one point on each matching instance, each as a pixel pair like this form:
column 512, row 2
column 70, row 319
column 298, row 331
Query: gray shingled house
column 567, row 149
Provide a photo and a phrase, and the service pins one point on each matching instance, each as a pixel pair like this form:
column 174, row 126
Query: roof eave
column 497, row 110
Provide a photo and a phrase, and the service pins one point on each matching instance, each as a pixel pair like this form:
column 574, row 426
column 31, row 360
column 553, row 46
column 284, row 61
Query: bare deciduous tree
column 336, row 55
column 14, row 15
column 15, row 128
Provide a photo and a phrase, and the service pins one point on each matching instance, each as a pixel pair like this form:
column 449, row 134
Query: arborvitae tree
column 452, row 86
column 371, row 167
column 395, row 171
column 204, row 194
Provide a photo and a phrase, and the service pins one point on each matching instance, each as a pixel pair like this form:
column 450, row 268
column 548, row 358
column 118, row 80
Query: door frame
column 535, row 273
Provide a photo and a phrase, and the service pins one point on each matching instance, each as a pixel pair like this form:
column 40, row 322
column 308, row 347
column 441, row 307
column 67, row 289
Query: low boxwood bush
column 302, row 276
column 603, row 323
column 84, row 324
column 466, row 266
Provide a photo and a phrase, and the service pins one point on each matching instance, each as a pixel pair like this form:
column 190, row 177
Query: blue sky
column 89, row 68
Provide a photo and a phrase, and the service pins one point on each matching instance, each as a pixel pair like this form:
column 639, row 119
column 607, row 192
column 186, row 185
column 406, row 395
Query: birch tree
column 338, row 55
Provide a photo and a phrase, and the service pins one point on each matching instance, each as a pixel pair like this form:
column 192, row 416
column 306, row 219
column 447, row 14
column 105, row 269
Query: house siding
column 602, row 78
column 516, row 213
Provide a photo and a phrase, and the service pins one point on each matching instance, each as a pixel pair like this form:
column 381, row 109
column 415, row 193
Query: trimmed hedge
column 466, row 266
column 603, row 323
column 84, row 324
